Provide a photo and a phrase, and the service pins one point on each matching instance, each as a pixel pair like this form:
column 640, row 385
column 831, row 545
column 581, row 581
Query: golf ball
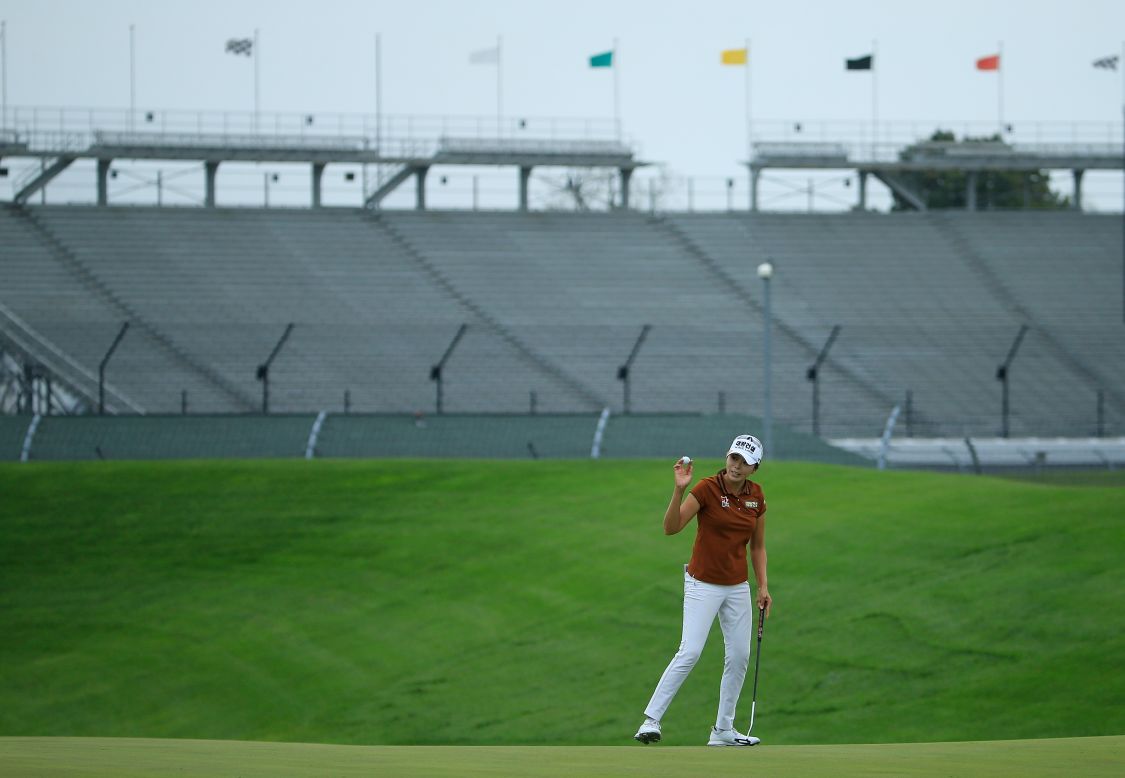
column 685, row 461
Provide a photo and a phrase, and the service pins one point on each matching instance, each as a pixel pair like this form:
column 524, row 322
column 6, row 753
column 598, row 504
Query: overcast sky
column 677, row 102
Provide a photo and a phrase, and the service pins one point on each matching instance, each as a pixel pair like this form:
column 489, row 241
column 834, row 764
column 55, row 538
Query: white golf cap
column 749, row 448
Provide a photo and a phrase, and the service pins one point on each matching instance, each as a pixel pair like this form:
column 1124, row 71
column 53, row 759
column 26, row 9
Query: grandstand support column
column 210, row 171
column 317, row 175
column 103, row 181
column 626, row 176
column 971, row 190
column 525, row 175
column 46, row 173
column 1078, row 173
column 863, row 190
column 755, row 175
column 420, row 179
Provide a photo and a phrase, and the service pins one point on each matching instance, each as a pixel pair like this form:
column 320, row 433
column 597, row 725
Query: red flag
column 989, row 63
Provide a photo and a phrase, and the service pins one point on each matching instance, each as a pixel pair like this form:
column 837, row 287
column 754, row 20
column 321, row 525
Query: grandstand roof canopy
column 414, row 157
column 319, row 148
column 886, row 161
column 941, row 155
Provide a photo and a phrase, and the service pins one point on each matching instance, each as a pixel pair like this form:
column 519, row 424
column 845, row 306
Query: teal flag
column 604, row 60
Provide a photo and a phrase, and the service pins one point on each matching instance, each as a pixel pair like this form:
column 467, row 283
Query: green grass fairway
column 104, row 758
column 505, row 603
column 1067, row 477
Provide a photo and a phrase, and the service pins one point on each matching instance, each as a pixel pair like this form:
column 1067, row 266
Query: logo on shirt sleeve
column 751, row 503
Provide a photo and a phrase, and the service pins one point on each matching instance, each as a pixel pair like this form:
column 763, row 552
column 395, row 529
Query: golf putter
column 757, row 661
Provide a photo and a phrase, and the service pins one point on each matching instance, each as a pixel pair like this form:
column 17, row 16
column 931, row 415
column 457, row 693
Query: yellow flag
column 734, row 57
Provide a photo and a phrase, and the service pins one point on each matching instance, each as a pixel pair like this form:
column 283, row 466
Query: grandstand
column 927, row 303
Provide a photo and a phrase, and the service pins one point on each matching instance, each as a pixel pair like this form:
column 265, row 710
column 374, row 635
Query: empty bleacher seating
column 554, row 302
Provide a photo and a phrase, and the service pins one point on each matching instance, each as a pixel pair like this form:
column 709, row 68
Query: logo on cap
column 748, row 447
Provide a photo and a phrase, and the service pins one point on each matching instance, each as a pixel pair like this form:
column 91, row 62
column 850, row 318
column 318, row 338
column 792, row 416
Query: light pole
column 813, row 374
column 623, row 371
column 765, row 272
column 435, row 371
column 264, row 369
column 266, row 178
column 104, row 362
column 1002, row 376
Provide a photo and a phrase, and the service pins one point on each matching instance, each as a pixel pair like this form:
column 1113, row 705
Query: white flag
column 485, row 56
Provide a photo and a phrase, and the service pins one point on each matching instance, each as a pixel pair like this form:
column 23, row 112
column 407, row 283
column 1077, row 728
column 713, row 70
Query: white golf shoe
column 731, row 737
column 649, row 732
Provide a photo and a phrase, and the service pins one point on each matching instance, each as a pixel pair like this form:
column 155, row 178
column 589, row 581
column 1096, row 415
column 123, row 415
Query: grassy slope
column 1067, row 477
column 538, row 602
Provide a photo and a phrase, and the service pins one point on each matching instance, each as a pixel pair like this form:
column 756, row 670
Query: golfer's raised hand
column 683, row 473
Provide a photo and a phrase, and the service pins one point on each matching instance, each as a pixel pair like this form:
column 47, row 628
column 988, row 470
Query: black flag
column 859, row 63
column 240, row 46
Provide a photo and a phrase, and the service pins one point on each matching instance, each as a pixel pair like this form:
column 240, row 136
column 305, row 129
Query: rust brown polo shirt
column 726, row 523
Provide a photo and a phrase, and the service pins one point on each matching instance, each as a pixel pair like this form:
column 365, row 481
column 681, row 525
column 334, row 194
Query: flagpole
column 132, row 77
column 1000, row 85
column 499, row 87
column 749, row 131
column 256, row 53
column 378, row 93
column 1122, row 65
column 616, row 64
column 874, row 100
column 4, row 73
column 378, row 110
column 749, row 144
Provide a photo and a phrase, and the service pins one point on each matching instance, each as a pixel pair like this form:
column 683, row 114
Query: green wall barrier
column 547, row 436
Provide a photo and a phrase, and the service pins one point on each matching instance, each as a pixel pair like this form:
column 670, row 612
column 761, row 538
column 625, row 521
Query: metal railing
column 55, row 141
column 853, row 153
column 165, row 120
column 59, row 142
column 61, row 365
column 903, row 132
column 532, row 146
column 802, row 149
column 230, row 140
column 892, row 133
column 1070, row 150
column 27, row 175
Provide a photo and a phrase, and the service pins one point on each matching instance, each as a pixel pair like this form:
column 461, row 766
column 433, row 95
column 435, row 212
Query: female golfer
column 732, row 514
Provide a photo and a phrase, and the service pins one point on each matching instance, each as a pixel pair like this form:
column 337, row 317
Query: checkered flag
column 238, row 46
column 1108, row 63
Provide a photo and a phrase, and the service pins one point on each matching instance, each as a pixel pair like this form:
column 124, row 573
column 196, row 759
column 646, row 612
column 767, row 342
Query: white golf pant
column 702, row 602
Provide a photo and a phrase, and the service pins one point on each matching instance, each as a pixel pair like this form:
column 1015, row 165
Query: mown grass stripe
column 536, row 603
